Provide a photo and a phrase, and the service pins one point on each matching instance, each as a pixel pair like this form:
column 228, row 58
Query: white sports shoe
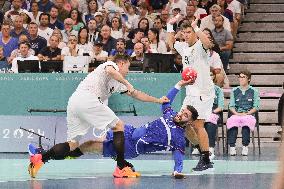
column 195, row 151
column 245, row 151
column 233, row 151
column 211, row 152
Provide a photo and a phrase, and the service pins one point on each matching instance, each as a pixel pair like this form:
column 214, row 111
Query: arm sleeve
column 178, row 158
column 256, row 99
column 171, row 96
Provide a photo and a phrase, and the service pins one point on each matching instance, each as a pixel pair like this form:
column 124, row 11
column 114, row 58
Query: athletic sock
column 205, row 156
column 75, row 153
column 57, row 152
column 118, row 142
column 197, row 147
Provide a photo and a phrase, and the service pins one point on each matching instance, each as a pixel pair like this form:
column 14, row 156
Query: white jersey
column 100, row 84
column 196, row 56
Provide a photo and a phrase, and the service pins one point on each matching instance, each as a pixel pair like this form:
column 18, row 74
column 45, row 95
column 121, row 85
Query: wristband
column 177, row 86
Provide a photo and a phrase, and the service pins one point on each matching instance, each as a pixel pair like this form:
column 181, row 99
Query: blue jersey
column 159, row 135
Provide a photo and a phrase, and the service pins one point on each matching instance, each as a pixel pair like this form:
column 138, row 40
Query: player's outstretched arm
column 118, row 77
column 207, row 44
column 139, row 95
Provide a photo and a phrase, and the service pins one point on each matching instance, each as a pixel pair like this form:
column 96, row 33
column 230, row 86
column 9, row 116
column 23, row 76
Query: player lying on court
column 87, row 108
column 164, row 133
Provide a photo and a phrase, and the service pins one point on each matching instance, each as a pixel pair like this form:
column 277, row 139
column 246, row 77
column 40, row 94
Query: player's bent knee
column 119, row 126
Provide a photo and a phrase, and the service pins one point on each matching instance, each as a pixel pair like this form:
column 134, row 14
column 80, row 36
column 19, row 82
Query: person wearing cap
column 99, row 54
column 174, row 4
column 99, row 19
column 24, row 55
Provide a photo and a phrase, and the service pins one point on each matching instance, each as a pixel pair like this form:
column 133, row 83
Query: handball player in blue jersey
column 163, row 134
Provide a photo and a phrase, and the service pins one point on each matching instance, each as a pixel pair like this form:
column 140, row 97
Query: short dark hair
column 246, row 73
column 194, row 113
column 44, row 14
column 25, row 43
column 185, row 25
column 121, row 57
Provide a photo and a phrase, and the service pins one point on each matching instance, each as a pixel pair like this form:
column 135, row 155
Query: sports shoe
column 233, row 151
column 35, row 165
column 33, row 150
column 202, row 166
column 245, row 151
column 195, row 151
column 211, row 152
column 126, row 172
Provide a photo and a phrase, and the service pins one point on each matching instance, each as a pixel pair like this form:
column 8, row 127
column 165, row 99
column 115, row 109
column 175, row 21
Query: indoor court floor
column 95, row 172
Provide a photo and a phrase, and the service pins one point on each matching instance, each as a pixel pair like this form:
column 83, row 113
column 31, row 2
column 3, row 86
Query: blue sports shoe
column 33, row 150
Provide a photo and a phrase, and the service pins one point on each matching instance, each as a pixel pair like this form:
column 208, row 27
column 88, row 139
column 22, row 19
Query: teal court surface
column 94, row 172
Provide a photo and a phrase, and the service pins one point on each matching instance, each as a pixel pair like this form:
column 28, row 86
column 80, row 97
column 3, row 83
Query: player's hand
column 163, row 100
column 130, row 89
column 183, row 83
column 178, row 175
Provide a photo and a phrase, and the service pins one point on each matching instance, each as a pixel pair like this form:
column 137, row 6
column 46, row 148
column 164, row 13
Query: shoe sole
column 209, row 170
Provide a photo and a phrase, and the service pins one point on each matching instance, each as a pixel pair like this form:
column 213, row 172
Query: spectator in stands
column 155, row 42
column 99, row 19
column 177, row 66
column 147, row 47
column 92, row 8
column 54, row 22
column 116, row 28
column 62, row 13
column 143, row 13
column 68, row 30
column 111, row 6
column 57, row 32
column 16, row 10
column 2, row 57
column 36, row 41
column 225, row 11
column 143, row 24
column 24, row 55
column 105, row 37
column 190, row 12
column 93, row 34
column 199, row 12
column 45, row 5
column 120, row 48
column 16, row 52
column 83, row 41
column 43, row 29
column 224, row 39
column 35, row 11
column 72, row 48
column 99, row 54
column 158, row 25
column 165, row 18
column 18, row 27
column 51, row 52
column 181, row 4
column 138, row 34
column 244, row 103
column 83, row 6
column 131, row 15
column 8, row 42
column 76, row 17
column 235, row 7
column 206, row 5
column 208, row 21
column 138, row 54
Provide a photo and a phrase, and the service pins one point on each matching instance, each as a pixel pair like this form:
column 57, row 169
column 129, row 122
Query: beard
column 179, row 122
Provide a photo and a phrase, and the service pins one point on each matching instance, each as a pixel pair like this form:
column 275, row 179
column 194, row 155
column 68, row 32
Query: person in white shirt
column 72, row 48
column 16, row 10
column 43, row 29
column 99, row 54
column 208, row 21
column 200, row 95
column 86, row 109
column 24, row 48
column 177, row 4
column 155, row 42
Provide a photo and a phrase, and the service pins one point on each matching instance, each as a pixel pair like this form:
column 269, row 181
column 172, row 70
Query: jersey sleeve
column 171, row 96
column 178, row 157
column 179, row 46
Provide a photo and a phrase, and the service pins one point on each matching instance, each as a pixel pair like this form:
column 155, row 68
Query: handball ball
column 189, row 74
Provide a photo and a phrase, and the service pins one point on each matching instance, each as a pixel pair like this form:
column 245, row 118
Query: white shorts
column 202, row 105
column 85, row 111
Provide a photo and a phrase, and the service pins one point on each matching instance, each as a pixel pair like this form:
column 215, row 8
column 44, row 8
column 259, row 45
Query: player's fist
column 183, row 83
column 178, row 175
column 163, row 100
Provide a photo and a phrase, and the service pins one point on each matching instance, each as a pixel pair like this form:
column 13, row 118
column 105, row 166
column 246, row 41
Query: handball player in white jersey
column 201, row 94
column 86, row 109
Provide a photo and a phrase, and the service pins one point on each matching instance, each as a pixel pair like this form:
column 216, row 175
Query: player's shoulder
column 110, row 63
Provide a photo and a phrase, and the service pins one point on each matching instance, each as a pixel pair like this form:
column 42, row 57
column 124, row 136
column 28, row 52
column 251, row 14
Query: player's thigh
column 100, row 117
